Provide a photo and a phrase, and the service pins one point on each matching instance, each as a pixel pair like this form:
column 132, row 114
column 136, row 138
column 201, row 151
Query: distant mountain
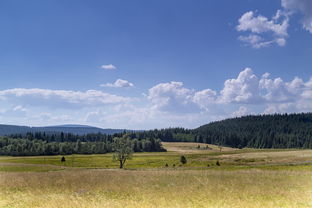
column 68, row 128
column 70, row 125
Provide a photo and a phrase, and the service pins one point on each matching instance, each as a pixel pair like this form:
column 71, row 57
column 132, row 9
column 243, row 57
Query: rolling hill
column 74, row 129
column 260, row 131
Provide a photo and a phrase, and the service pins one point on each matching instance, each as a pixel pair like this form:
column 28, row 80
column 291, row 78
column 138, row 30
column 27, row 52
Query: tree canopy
column 122, row 150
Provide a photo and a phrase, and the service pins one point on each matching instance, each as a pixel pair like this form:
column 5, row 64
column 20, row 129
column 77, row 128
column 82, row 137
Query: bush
column 217, row 163
column 183, row 159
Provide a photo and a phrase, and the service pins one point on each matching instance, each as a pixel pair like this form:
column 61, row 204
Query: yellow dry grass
column 156, row 188
column 191, row 147
column 246, row 179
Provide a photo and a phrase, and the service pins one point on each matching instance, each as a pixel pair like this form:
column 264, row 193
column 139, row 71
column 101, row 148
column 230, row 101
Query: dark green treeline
column 261, row 131
column 65, row 144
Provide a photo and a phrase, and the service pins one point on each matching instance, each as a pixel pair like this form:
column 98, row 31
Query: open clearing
column 246, row 178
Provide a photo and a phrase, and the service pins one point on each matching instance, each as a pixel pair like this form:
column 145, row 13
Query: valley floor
column 245, row 178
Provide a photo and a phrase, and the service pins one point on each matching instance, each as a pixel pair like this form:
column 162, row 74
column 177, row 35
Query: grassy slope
column 246, row 178
column 197, row 158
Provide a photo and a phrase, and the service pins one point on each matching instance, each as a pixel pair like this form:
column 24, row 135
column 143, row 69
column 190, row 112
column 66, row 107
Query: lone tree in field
column 183, row 159
column 63, row 159
column 122, row 150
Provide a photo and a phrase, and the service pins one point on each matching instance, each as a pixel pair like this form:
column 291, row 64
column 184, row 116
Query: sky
column 146, row 64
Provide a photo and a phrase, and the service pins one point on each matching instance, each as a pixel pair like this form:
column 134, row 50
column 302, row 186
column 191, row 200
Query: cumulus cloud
column 242, row 111
column 303, row 6
column 247, row 88
column 109, row 67
column 276, row 90
column 165, row 104
column 119, row 83
column 170, row 96
column 173, row 96
column 204, row 98
column 260, row 27
column 260, row 24
column 36, row 96
column 276, row 28
column 243, row 89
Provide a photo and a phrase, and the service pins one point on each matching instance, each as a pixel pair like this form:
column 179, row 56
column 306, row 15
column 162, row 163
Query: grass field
column 245, row 178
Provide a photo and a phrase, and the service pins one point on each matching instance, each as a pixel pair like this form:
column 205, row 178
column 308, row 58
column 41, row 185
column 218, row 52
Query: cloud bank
column 164, row 104
column 59, row 98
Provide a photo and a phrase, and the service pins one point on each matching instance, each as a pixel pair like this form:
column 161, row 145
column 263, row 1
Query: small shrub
column 183, row 159
column 63, row 159
column 218, row 163
column 173, row 165
column 166, row 165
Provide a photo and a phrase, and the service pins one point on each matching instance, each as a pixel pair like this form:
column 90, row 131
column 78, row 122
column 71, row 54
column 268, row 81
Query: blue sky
column 152, row 64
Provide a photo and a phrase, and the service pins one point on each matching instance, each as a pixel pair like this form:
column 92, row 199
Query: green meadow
column 243, row 178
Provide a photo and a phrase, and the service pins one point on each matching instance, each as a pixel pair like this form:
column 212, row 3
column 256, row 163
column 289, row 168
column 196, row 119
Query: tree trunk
column 120, row 164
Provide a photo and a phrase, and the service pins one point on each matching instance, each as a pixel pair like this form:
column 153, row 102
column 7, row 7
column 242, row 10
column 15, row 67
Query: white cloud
column 169, row 96
column 119, row 83
column 276, row 90
column 45, row 116
column 303, row 6
column 248, row 89
column 109, row 67
column 243, row 89
column 260, row 27
column 95, row 116
column 165, row 104
column 276, row 28
column 260, row 24
column 19, row 108
column 60, row 98
column 173, row 97
column 242, row 111
column 205, row 98
column 15, row 111
column 255, row 41
column 280, row 108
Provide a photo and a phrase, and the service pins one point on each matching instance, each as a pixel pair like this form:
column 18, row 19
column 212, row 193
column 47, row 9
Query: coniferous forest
column 264, row 131
column 261, row 131
column 65, row 144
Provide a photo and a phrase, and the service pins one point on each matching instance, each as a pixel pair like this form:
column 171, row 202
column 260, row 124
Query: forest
column 33, row 144
column 253, row 131
column 261, row 131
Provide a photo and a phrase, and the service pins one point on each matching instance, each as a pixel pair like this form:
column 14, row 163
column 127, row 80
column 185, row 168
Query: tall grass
column 156, row 188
